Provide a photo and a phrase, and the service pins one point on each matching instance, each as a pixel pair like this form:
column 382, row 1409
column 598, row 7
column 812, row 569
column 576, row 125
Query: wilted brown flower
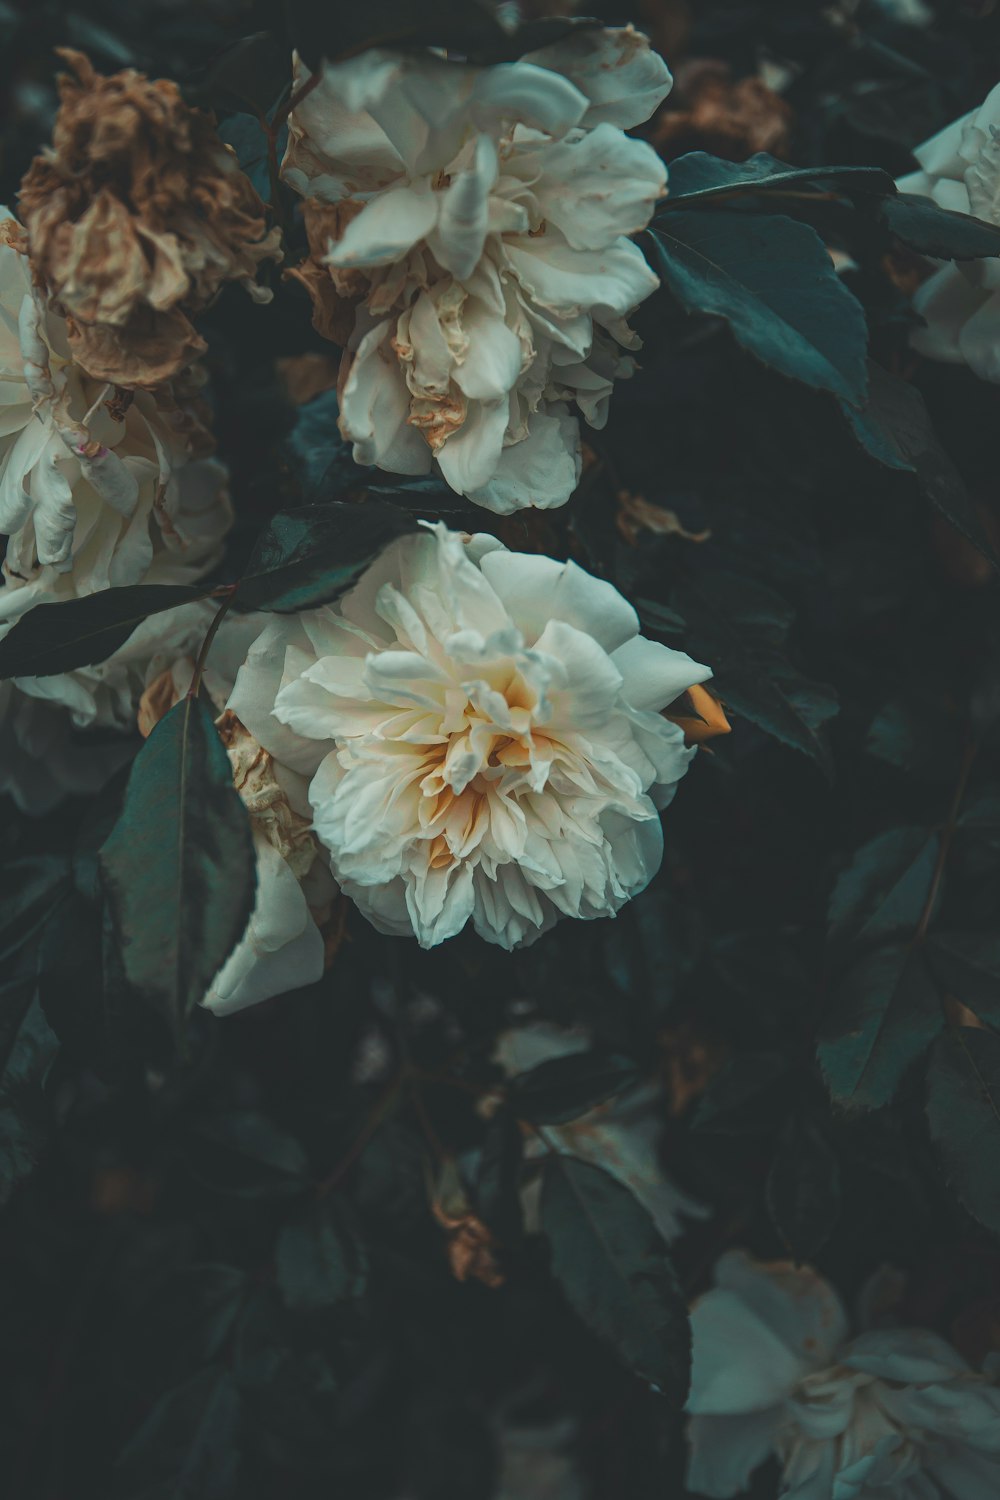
column 711, row 112
column 135, row 217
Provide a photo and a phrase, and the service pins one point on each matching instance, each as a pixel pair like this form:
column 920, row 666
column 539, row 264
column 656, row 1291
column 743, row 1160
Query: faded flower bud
column 136, row 216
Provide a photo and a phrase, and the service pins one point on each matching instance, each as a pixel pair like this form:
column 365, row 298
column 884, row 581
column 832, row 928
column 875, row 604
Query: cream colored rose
column 894, row 1413
column 481, row 735
column 476, row 227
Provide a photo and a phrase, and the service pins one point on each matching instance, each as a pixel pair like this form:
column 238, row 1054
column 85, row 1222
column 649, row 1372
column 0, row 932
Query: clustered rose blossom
column 894, row 1413
column 469, row 236
column 481, row 734
column 960, row 302
column 92, row 495
column 135, row 217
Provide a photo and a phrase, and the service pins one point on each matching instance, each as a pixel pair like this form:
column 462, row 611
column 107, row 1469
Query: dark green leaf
column 498, row 1179
column 35, row 886
column 251, row 75
column 803, row 1187
column 884, row 1015
column 963, row 1112
column 75, row 633
column 884, row 888
column 773, row 283
column 179, row 868
column 613, row 1266
column 894, row 427
column 922, row 737
column 699, row 176
column 740, row 625
column 748, row 1079
column 309, row 557
column 27, row 1048
column 566, row 1087
column 188, row 1448
column 938, row 232
column 321, row 1258
column 245, row 1154
column 967, row 965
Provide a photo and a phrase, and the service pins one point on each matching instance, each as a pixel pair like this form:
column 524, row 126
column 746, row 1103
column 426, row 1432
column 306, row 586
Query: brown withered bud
column 470, row 1248
column 136, row 216
column 700, row 714
column 710, row 112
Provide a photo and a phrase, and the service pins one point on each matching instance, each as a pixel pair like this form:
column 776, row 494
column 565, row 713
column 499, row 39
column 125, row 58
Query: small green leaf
column 179, row 868
column 803, row 1187
column 613, row 1266
column 189, row 1445
column 321, row 1258
column 566, row 1087
column 698, row 176
column 938, row 232
column 773, row 283
column 963, row 1112
column 884, row 888
column 967, row 965
column 884, row 1015
column 60, row 637
column 305, row 558
column 27, row 1048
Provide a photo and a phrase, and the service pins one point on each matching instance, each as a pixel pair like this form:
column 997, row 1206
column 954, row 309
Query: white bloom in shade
column 482, row 226
column 88, row 496
column 622, row 1135
column 482, row 737
column 892, row 1413
column 960, row 303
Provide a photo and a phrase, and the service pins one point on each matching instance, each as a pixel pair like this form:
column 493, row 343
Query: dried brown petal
column 334, row 293
column 636, row 515
column 135, row 218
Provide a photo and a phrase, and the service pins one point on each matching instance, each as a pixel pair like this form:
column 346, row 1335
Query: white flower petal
column 622, row 77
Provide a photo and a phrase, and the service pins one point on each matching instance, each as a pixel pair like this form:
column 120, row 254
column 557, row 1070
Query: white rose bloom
column 960, row 170
column 895, row 1413
column 482, row 737
column 484, row 223
column 622, row 1135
